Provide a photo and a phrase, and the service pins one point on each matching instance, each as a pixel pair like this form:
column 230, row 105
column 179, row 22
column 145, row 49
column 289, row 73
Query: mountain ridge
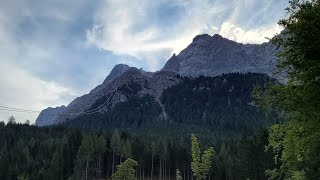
column 205, row 56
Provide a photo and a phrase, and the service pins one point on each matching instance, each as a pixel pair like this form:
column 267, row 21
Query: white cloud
column 116, row 20
column 22, row 90
column 214, row 28
column 258, row 35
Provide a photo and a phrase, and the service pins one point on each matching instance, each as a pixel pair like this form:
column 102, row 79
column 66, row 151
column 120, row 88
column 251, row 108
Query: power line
column 18, row 109
column 95, row 110
column 99, row 108
column 12, row 110
column 111, row 95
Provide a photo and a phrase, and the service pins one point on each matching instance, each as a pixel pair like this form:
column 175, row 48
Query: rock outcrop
column 49, row 116
column 214, row 55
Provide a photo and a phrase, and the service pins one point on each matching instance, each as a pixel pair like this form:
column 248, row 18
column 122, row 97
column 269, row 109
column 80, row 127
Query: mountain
column 205, row 56
column 214, row 55
column 48, row 116
column 117, row 71
column 149, row 84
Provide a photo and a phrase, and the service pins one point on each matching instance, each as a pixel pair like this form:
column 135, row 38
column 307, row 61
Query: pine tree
column 178, row 175
column 196, row 159
column 27, row 122
column 127, row 149
column 99, row 148
column 115, row 146
column 11, row 120
column 153, row 153
column 200, row 165
column 55, row 171
column 84, row 156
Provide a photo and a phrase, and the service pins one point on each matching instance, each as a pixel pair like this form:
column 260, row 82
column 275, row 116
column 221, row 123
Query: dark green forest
column 30, row 152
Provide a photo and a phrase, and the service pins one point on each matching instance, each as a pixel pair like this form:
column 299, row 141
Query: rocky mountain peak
column 218, row 36
column 115, row 72
column 215, row 55
column 48, row 116
column 201, row 37
column 206, row 38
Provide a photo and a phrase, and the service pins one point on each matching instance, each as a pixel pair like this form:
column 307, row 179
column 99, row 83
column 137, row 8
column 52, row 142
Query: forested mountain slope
column 221, row 104
column 206, row 55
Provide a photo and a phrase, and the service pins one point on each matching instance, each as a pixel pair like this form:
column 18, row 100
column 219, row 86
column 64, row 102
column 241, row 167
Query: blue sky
column 55, row 50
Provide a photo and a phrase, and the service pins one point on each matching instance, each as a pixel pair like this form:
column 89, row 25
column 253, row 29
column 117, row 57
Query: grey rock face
column 214, row 55
column 48, row 116
column 117, row 71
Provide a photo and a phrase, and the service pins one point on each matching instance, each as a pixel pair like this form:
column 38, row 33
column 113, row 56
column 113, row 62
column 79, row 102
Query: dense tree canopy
column 30, row 152
column 296, row 142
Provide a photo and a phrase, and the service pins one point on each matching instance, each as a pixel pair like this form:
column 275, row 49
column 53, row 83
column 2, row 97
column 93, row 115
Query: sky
column 55, row 50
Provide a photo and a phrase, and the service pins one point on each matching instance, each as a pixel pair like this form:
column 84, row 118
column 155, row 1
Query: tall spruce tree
column 200, row 165
column 115, row 146
column 55, row 171
column 99, row 149
column 154, row 150
column 84, row 157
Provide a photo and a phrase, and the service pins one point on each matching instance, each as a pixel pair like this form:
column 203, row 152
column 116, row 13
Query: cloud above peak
column 252, row 36
column 153, row 30
column 150, row 29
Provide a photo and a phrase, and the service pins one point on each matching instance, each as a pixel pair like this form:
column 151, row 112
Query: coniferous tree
column 178, row 175
column 153, row 149
column 115, row 146
column 55, row 171
column 84, row 157
column 99, row 148
column 127, row 149
column 11, row 120
column 200, row 165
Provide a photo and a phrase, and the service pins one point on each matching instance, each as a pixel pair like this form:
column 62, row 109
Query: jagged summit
column 201, row 37
column 208, row 38
column 215, row 55
column 217, row 36
column 116, row 71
